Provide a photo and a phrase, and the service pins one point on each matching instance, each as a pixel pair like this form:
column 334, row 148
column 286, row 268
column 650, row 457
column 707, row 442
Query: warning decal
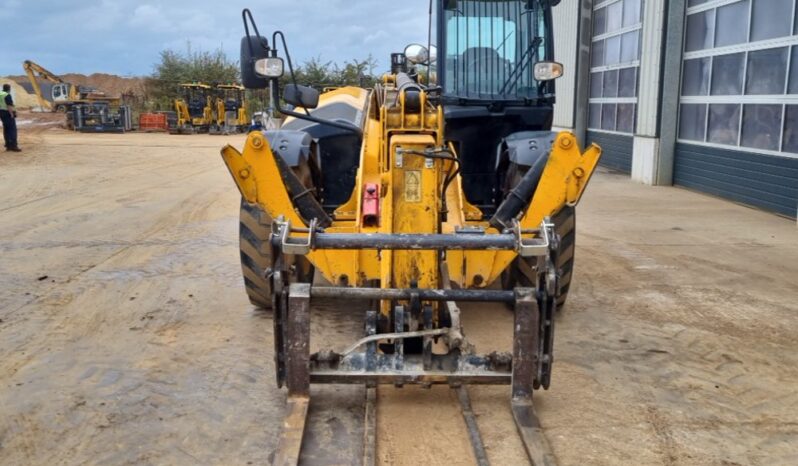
column 413, row 186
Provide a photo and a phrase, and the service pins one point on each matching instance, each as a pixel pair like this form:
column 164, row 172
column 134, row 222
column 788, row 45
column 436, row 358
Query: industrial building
column 695, row 93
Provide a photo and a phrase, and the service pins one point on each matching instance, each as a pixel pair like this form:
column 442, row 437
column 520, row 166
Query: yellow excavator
column 56, row 95
column 409, row 198
column 194, row 109
column 231, row 109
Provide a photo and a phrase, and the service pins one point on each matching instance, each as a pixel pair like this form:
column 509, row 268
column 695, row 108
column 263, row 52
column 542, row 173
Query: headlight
column 548, row 70
column 269, row 67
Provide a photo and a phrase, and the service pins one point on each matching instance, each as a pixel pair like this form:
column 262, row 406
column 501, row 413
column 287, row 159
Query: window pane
column 594, row 116
column 771, row 18
column 766, row 72
column 610, row 84
column 626, row 118
column 614, row 16
column 791, row 129
column 629, row 46
column 599, row 21
column 794, row 71
column 613, row 45
column 691, row 3
column 608, row 117
column 727, row 74
column 692, row 121
column 695, row 77
column 724, row 123
column 597, row 53
column 732, row 25
column 761, row 126
column 631, row 12
column 700, row 30
column 595, row 84
column 627, row 87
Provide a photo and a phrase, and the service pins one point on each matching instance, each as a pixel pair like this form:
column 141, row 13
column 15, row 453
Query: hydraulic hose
column 519, row 197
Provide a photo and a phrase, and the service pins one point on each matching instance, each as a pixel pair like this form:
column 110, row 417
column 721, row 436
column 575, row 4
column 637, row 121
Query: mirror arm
column 308, row 117
column 288, row 59
column 246, row 14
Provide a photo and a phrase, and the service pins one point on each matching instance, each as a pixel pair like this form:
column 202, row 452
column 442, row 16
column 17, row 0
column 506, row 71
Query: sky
column 125, row 37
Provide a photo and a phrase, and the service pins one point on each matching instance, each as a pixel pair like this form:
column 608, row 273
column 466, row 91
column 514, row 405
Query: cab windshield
column 491, row 47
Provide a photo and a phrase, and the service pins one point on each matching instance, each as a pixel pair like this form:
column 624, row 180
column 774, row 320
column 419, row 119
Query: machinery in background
column 98, row 117
column 56, row 95
column 230, row 110
column 194, row 110
column 265, row 120
column 87, row 109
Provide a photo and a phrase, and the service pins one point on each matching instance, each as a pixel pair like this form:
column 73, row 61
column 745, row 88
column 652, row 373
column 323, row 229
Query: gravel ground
column 126, row 337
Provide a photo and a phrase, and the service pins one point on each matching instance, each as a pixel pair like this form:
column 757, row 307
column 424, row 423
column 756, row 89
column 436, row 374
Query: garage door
column 616, row 149
column 738, row 118
column 614, row 76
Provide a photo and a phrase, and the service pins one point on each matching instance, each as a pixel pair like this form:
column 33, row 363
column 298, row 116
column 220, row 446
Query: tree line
column 162, row 86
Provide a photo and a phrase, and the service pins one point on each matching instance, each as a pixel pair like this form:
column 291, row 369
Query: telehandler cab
column 441, row 181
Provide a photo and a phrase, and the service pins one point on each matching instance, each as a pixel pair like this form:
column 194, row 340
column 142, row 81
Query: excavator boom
column 32, row 69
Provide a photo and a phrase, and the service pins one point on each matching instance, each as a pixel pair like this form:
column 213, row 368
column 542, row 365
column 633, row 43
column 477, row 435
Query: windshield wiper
column 530, row 54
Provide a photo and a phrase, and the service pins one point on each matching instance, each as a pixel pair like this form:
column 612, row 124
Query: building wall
column 615, row 66
column 738, row 120
column 731, row 91
column 566, row 20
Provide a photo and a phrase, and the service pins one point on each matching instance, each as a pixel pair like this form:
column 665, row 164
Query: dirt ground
column 126, row 336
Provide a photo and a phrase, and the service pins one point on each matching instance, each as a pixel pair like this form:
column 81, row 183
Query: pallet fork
column 527, row 368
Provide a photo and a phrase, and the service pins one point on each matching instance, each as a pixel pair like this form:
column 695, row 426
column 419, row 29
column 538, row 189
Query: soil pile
column 21, row 97
column 112, row 85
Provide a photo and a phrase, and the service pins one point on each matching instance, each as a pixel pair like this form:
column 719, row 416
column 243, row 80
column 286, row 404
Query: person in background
column 8, row 115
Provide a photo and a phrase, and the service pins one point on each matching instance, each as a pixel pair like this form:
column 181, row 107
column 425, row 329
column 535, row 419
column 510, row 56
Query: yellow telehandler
column 442, row 184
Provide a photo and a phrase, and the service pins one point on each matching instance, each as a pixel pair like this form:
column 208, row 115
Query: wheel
column 61, row 108
column 565, row 226
column 254, row 230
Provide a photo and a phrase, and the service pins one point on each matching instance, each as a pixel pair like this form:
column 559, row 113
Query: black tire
column 254, row 229
column 565, row 226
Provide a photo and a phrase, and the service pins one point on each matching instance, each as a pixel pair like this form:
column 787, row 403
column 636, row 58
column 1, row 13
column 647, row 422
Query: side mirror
column 253, row 50
column 416, row 54
column 301, row 96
